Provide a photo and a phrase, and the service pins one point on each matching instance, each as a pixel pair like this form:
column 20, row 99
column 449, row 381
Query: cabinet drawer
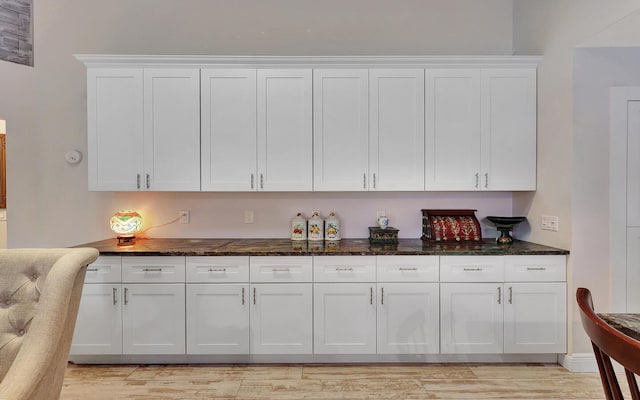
column 471, row 269
column 153, row 269
column 217, row 269
column 535, row 268
column 280, row 269
column 344, row 269
column 106, row 269
column 408, row 268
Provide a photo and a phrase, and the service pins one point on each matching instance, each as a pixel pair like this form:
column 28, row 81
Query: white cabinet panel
column 344, row 318
column 153, row 319
column 408, row 318
column 344, row 269
column 281, row 318
column 153, row 269
column 99, row 324
column 536, row 268
column 115, row 117
column 217, row 269
column 509, row 129
column 535, row 318
column 229, row 130
column 217, row 319
column 408, row 268
column 453, row 129
column 396, row 158
column 281, row 269
column 172, row 129
column 341, row 129
column 284, row 130
column 633, row 269
column 472, row 269
column 106, row 269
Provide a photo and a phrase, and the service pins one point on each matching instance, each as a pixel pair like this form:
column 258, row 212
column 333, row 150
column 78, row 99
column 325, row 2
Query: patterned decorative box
column 450, row 225
column 383, row 236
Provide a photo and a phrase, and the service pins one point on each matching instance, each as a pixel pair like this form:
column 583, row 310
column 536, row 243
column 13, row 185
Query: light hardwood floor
column 321, row 381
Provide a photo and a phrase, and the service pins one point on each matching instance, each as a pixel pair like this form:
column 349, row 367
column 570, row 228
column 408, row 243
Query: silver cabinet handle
column 281, row 269
column 92, row 269
column 217, row 270
column 138, row 181
column 477, row 180
column 382, row 296
column 261, row 181
column 115, row 299
column 151, row 269
column 341, row 269
column 408, row 269
column 371, row 296
column 242, row 296
column 126, row 298
column 499, row 295
column 536, row 269
column 510, row 295
column 252, row 181
column 254, row 296
column 148, row 181
column 473, row 269
column 374, row 180
column 486, row 180
column 364, row 180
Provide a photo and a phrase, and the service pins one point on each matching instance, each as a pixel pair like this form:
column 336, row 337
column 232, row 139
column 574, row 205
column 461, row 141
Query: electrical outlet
column 248, row 217
column 184, row 217
column 550, row 223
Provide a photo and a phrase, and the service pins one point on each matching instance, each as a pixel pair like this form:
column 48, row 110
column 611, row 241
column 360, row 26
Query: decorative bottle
column 299, row 227
column 316, row 227
column 332, row 227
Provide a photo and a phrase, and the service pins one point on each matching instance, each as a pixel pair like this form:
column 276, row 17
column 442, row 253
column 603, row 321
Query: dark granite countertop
column 627, row 323
column 286, row 247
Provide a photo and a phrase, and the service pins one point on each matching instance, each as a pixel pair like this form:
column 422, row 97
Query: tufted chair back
column 39, row 297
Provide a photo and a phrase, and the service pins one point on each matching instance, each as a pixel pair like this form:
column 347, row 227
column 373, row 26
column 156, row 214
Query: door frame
column 619, row 97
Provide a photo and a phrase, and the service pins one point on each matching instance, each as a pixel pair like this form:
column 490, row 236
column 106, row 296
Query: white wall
column 46, row 105
column 572, row 153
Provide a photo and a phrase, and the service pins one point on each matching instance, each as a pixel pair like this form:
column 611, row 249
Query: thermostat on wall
column 73, row 156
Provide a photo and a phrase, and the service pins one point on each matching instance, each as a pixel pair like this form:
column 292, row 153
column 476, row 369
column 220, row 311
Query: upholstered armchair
column 39, row 297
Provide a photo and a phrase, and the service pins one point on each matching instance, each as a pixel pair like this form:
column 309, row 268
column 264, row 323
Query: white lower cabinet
column 99, row 324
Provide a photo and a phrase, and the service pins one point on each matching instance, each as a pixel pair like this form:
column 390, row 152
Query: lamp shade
column 126, row 223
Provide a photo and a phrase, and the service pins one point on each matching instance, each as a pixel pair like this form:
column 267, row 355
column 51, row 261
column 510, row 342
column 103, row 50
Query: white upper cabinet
column 481, row 129
column 509, row 129
column 228, row 126
column 172, row 129
column 144, row 131
column 284, row 130
column 115, row 124
column 340, row 129
column 452, row 129
column 396, row 136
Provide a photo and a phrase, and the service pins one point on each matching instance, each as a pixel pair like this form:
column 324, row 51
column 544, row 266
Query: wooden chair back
column 609, row 343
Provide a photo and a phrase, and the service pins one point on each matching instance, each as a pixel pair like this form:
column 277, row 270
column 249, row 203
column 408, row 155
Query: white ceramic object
column 316, row 227
column 332, row 227
column 299, row 227
column 383, row 221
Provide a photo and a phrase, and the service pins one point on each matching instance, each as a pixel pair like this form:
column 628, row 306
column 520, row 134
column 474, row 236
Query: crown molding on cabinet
column 126, row 60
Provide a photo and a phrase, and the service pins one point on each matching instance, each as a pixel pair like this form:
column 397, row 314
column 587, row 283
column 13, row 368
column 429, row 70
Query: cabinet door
column 452, row 129
column 284, row 130
column 408, row 318
column 509, row 129
column 344, row 318
column 217, row 319
column 172, row 129
column 153, row 319
column 281, row 318
column 471, row 318
column 535, row 318
column 115, row 128
column 228, row 129
column 396, row 129
column 99, row 324
column 341, row 129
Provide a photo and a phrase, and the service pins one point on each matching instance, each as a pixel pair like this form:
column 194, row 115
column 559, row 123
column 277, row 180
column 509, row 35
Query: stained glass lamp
column 126, row 224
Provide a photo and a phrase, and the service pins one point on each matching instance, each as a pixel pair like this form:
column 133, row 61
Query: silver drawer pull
column 473, row 269
column 536, row 269
column 280, row 269
column 92, row 269
column 217, row 270
column 340, row 269
column 152, row 269
column 408, row 269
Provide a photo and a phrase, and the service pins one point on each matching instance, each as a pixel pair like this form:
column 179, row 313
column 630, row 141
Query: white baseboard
column 578, row 362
